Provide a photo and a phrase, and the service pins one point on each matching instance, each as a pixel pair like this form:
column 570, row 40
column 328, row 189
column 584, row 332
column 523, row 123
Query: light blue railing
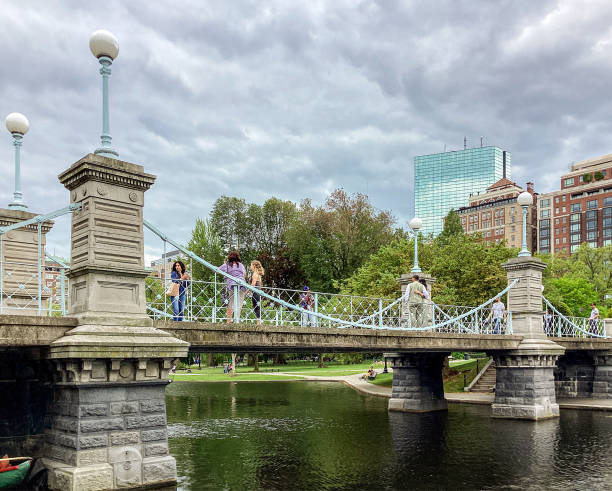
column 558, row 325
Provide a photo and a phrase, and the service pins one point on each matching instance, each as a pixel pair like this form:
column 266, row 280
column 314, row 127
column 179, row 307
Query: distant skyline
column 294, row 99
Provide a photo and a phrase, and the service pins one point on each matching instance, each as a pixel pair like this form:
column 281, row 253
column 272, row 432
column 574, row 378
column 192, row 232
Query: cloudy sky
column 295, row 98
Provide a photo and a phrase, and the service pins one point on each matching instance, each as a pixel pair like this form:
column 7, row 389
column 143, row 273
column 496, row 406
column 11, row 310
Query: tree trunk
column 256, row 364
column 211, row 360
column 233, row 364
column 320, row 360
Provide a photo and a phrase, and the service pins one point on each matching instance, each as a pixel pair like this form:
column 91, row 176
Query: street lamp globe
column 17, row 123
column 525, row 199
column 104, row 43
column 416, row 223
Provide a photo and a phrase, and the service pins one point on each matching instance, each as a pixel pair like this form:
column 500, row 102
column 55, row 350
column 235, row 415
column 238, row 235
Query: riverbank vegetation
column 349, row 246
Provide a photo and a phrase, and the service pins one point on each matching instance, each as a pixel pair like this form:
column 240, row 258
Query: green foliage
column 452, row 226
column 466, row 271
column 332, row 241
column 586, row 178
column 572, row 283
column 598, row 175
column 206, row 243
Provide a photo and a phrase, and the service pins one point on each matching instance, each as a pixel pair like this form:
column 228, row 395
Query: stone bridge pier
column 107, row 420
column 525, row 385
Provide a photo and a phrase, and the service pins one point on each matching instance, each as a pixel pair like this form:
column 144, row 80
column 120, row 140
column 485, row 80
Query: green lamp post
column 416, row 224
column 18, row 125
column 105, row 48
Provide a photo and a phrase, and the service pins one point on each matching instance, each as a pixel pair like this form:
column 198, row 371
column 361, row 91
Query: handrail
column 41, row 218
column 296, row 308
column 575, row 326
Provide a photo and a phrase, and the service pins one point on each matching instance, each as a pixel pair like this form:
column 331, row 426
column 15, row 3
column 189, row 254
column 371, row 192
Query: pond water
column 316, row 435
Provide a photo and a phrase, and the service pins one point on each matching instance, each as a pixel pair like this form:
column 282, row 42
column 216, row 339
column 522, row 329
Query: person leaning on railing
column 257, row 273
column 234, row 268
column 416, row 296
column 180, row 282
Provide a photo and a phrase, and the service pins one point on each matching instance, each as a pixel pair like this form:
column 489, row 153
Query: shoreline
column 357, row 383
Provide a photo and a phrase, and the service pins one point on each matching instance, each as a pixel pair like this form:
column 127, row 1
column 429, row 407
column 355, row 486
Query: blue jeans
column 178, row 306
column 497, row 326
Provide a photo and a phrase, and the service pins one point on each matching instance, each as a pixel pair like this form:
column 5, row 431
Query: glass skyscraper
column 444, row 181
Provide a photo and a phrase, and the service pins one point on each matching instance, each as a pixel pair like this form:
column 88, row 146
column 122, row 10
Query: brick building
column 496, row 215
column 581, row 211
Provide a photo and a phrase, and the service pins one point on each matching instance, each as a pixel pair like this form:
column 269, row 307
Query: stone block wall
column 525, row 387
column 602, row 376
column 417, row 382
column 574, row 375
column 116, row 436
column 26, row 393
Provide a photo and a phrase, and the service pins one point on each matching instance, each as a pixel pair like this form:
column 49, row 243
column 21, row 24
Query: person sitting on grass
column 370, row 375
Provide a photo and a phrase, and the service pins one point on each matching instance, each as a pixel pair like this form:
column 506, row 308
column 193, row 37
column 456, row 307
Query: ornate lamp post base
column 106, row 152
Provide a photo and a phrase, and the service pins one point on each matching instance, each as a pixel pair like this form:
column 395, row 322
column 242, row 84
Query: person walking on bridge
column 234, row 268
column 593, row 329
column 257, row 273
column 416, row 295
column 179, row 277
column 498, row 313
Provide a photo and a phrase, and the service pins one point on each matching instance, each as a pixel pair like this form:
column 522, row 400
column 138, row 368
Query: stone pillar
column 602, row 375
column 108, row 420
column 19, row 256
column 525, row 386
column 417, row 382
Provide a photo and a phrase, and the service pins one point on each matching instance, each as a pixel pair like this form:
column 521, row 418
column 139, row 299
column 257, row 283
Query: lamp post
column 105, row 47
column 415, row 224
column 18, row 125
column 524, row 199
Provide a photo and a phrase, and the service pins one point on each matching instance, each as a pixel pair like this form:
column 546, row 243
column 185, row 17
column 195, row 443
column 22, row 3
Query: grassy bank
column 294, row 371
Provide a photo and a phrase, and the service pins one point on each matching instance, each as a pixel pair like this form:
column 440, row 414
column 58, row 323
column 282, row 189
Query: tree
column 229, row 219
column 571, row 295
column 206, row 243
column 331, row 242
column 467, row 272
column 452, row 226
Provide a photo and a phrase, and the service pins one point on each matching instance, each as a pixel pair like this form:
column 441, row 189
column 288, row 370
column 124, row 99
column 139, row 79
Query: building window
column 556, row 211
column 557, row 200
column 556, row 241
column 592, row 245
column 563, row 198
column 569, row 181
column 574, row 247
column 544, row 203
column 576, row 207
column 607, row 242
column 544, row 213
column 563, row 209
column 544, row 223
column 591, row 204
column 564, row 230
column 544, row 242
column 556, row 231
column 607, row 232
column 575, row 227
column 606, row 212
column 607, row 222
column 591, row 224
column 545, row 232
column 576, row 238
column 565, row 240
column 608, row 200
column 556, row 221
column 591, row 215
column 575, row 217
column 512, row 228
column 592, row 235
column 564, row 220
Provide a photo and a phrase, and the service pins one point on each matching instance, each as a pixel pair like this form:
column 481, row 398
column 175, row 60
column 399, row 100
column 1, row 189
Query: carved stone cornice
column 522, row 263
column 103, row 169
column 9, row 217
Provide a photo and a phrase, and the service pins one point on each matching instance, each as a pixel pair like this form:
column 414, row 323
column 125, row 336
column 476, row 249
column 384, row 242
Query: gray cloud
column 292, row 99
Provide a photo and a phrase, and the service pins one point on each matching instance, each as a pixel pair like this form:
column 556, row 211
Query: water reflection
column 289, row 435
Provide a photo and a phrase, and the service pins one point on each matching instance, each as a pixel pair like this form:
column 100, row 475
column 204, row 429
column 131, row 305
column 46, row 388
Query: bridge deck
column 34, row 331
